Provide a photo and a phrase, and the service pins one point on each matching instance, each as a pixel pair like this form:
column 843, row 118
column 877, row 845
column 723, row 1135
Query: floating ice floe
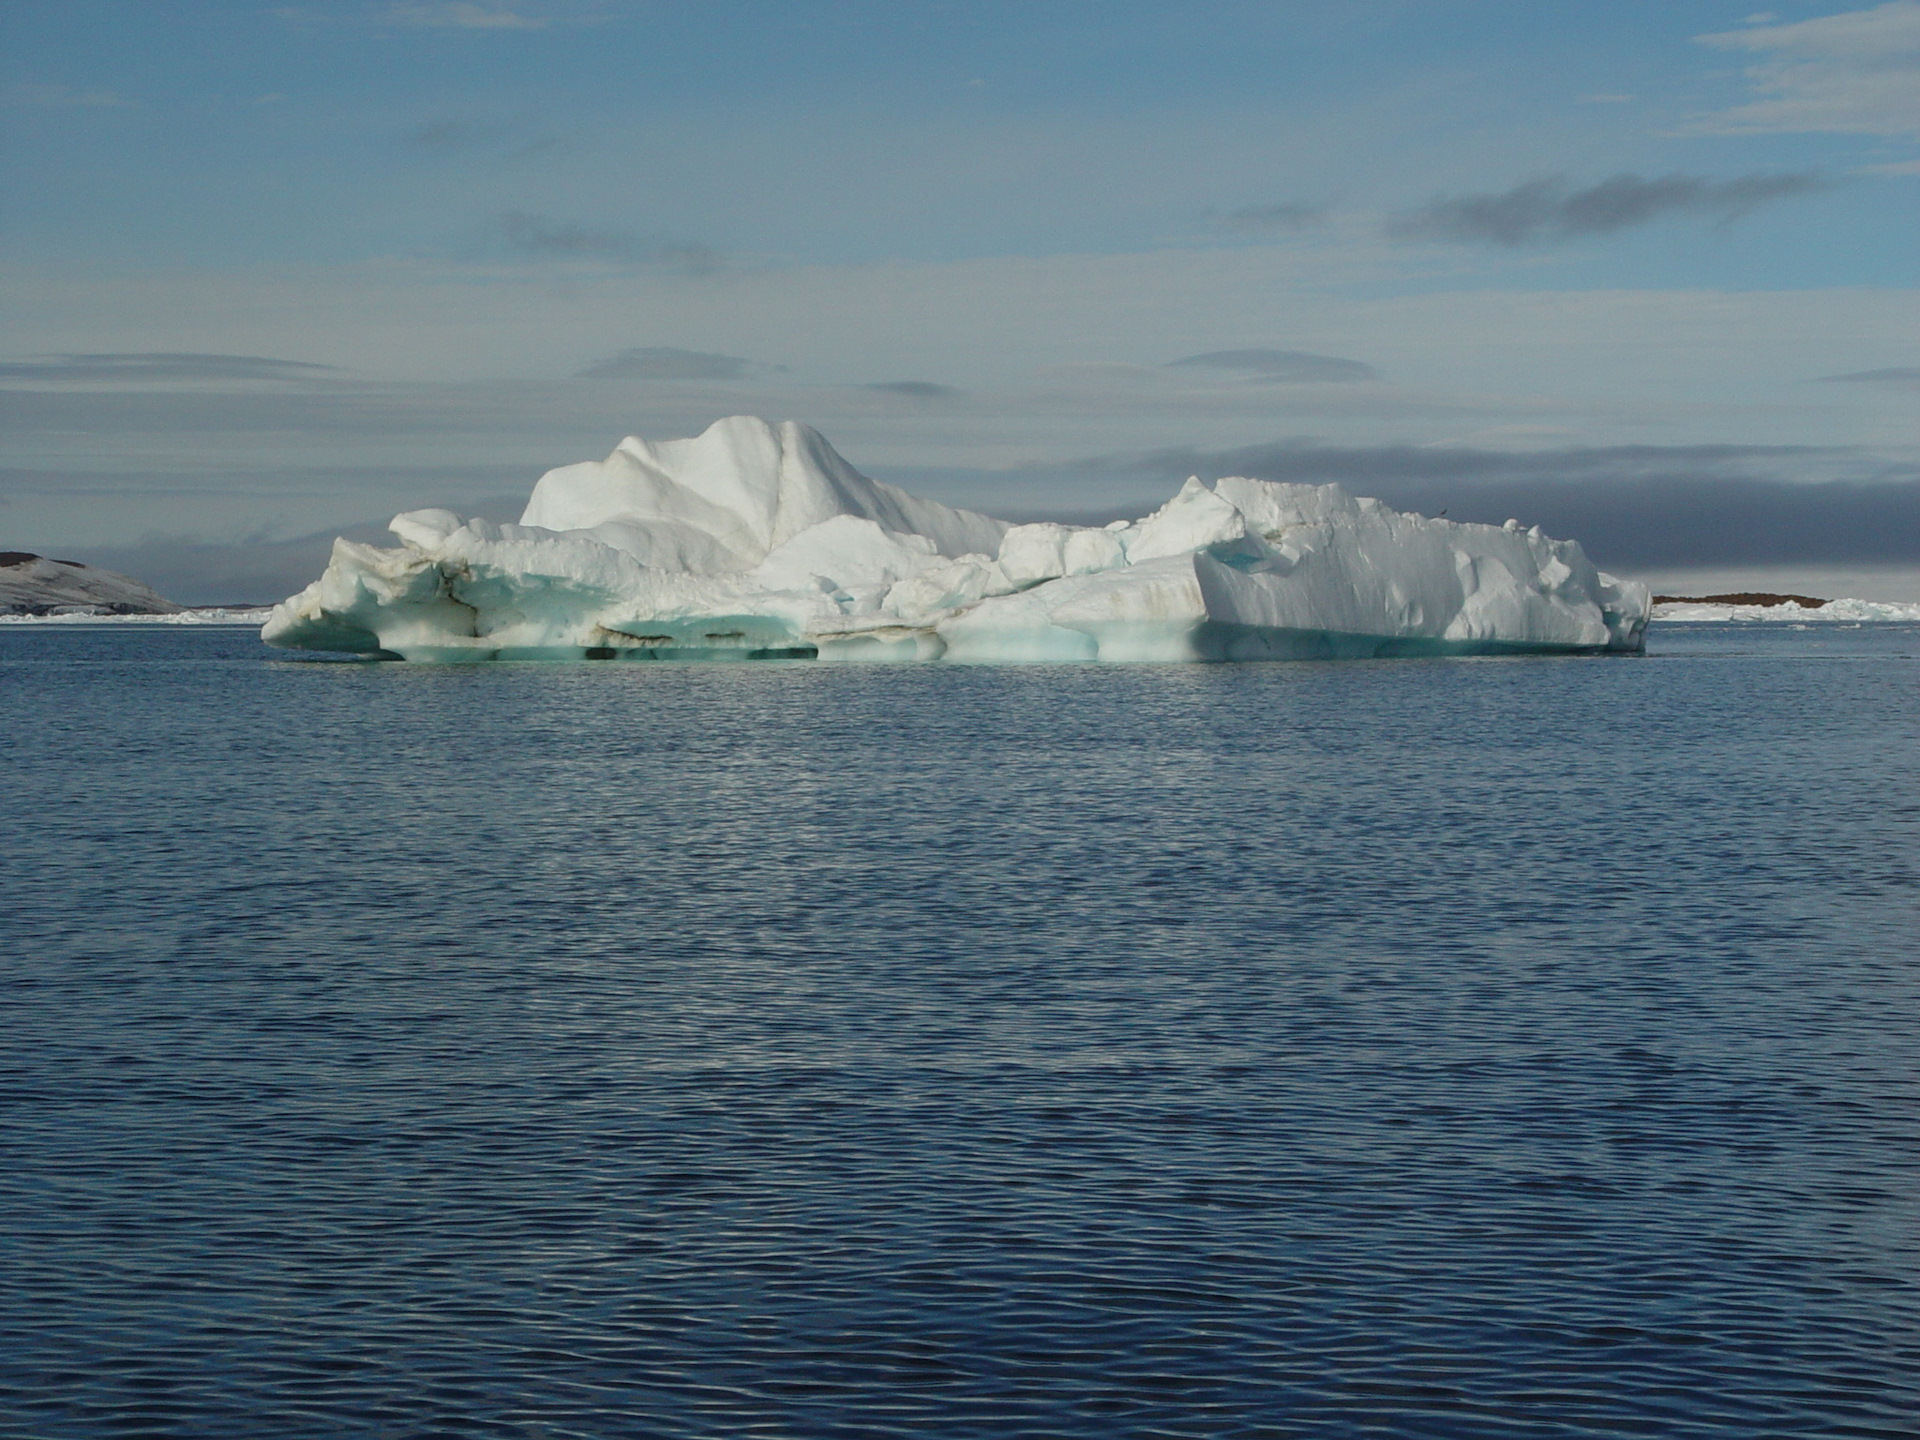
column 754, row 541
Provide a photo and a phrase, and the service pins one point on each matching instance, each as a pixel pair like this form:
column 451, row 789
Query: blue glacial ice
column 759, row 541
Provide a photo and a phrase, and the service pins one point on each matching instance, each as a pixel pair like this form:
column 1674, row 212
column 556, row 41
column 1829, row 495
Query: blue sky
column 967, row 240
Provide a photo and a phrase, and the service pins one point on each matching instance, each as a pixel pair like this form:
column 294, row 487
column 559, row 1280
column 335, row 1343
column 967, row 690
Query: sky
column 1645, row 273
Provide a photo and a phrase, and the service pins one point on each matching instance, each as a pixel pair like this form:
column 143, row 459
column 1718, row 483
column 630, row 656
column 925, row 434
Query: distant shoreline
column 1759, row 598
column 1736, row 609
column 247, row 615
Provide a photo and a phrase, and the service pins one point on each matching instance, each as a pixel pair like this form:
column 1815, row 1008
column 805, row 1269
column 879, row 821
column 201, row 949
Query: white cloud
column 1857, row 73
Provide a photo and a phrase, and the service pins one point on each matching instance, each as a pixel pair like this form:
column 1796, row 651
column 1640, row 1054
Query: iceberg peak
column 745, row 487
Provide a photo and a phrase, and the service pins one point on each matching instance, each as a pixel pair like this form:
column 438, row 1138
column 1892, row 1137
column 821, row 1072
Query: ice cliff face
column 752, row 541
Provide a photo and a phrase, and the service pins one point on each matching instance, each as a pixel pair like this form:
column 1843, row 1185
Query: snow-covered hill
column 34, row 585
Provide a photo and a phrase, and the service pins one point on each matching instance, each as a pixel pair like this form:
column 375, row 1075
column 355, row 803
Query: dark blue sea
column 1521, row 1047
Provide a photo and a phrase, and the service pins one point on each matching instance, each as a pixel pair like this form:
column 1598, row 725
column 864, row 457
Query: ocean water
column 1406, row 1048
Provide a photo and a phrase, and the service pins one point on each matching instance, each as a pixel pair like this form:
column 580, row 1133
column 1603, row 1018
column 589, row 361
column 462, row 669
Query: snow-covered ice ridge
column 756, row 541
column 1842, row 611
column 198, row 615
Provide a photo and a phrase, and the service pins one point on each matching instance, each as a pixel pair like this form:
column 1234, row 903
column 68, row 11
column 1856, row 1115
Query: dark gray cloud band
column 1549, row 208
column 450, row 136
column 333, row 410
column 1271, row 219
column 666, row 362
column 913, row 389
column 156, row 367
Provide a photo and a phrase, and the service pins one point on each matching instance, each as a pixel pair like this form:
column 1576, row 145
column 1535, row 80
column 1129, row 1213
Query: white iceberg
column 754, row 541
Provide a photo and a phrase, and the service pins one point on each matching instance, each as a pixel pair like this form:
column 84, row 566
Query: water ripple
column 1403, row 1049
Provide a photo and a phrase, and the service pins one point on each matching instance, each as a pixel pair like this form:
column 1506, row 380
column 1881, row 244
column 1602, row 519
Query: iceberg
column 756, row 541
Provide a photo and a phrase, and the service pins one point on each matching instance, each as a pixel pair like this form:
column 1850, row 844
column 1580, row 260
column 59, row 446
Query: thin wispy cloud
column 538, row 237
column 160, row 367
column 667, row 362
column 1549, row 208
column 1894, row 375
column 459, row 15
column 914, row 389
column 472, row 16
column 63, row 97
column 1267, row 219
column 1285, row 366
column 1857, row 72
column 451, row 136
